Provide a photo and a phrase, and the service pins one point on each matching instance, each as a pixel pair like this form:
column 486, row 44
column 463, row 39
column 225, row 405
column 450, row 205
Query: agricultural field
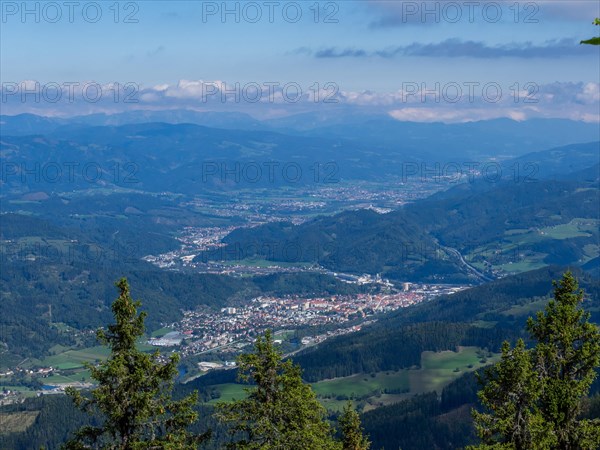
column 69, row 364
column 522, row 266
column 437, row 370
column 74, row 359
column 263, row 263
column 161, row 332
column 22, row 390
column 514, row 253
column 579, row 227
column 82, row 376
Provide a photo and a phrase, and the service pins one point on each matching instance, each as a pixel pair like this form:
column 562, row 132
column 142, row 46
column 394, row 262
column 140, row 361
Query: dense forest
column 431, row 420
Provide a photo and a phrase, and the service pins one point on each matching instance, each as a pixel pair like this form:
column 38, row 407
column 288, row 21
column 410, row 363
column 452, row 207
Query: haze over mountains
column 477, row 224
column 497, row 137
column 187, row 158
column 501, row 206
column 544, row 189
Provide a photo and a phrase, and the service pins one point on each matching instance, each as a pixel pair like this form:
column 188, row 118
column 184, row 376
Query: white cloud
column 424, row 114
column 576, row 101
column 590, row 93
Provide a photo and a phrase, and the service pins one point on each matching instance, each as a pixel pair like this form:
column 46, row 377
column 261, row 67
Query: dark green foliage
column 425, row 421
column 534, row 399
column 461, row 391
column 407, row 424
column 376, row 349
column 56, row 420
column 354, row 241
column 422, row 422
column 74, row 283
column 510, row 393
column 133, row 392
column 565, row 357
column 280, row 412
column 594, row 40
column 353, row 437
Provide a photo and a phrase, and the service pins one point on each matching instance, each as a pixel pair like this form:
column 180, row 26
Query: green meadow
column 372, row 390
column 438, row 369
column 229, row 392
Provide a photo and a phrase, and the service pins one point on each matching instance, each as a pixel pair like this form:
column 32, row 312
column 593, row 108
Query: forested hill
column 474, row 215
column 540, row 222
column 66, row 275
column 353, row 241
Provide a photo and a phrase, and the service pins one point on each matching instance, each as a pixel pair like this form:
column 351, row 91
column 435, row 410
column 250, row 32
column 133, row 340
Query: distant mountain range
column 189, row 158
column 490, row 138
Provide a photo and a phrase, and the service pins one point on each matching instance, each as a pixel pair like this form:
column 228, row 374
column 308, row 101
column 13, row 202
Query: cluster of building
column 371, row 196
column 193, row 240
column 38, row 371
column 168, row 340
column 234, row 328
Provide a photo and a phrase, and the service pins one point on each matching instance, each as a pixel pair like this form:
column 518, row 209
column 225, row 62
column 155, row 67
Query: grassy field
column 77, row 377
column 73, row 359
column 439, row 369
column 161, row 332
column 25, row 391
column 521, row 266
column 262, row 263
column 363, row 384
column 17, row 422
column 579, row 227
column 229, row 392
column 484, row 324
column 331, row 404
column 514, row 255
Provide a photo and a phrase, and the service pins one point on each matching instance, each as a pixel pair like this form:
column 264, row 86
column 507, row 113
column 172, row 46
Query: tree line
column 533, row 398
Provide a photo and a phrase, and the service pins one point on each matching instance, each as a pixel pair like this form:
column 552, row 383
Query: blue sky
column 367, row 48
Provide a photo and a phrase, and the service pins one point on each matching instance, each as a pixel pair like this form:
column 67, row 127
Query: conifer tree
column 566, row 357
column 280, row 411
column 509, row 395
column 353, row 437
column 132, row 398
column 534, row 398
